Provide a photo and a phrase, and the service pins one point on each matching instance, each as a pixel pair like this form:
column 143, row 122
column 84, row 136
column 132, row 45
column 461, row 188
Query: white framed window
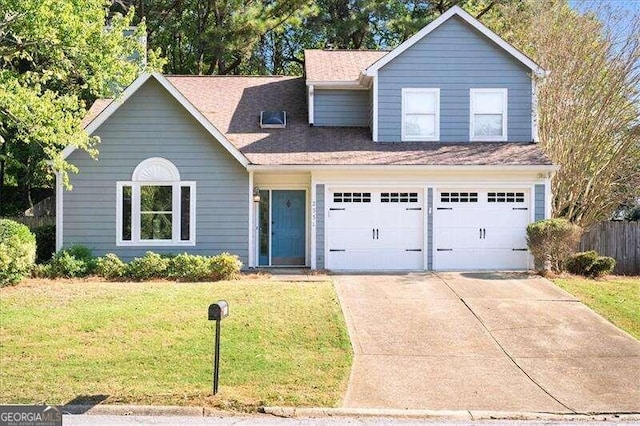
column 488, row 115
column 156, row 208
column 420, row 114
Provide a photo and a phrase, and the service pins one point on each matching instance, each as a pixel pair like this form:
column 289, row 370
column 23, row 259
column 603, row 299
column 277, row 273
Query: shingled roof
column 233, row 104
column 338, row 65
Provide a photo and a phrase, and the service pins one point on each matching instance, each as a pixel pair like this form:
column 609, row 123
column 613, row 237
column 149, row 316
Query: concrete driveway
column 483, row 341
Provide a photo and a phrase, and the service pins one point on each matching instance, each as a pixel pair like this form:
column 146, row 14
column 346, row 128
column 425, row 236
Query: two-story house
column 420, row 158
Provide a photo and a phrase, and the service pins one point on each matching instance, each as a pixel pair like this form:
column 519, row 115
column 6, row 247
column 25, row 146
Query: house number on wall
column 313, row 213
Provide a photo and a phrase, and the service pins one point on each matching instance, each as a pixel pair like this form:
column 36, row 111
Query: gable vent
column 273, row 119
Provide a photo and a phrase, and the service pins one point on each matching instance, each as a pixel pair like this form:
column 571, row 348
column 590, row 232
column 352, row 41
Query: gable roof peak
column 475, row 23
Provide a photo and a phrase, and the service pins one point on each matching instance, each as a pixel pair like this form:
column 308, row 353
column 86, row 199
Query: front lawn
column 151, row 343
column 616, row 298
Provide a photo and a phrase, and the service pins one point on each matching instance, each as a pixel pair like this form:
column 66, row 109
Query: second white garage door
column 481, row 229
column 375, row 229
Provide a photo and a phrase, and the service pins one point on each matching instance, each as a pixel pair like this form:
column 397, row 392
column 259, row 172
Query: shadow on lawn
column 83, row 403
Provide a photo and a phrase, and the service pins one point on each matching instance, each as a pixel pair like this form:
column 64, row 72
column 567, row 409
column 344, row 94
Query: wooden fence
column 620, row 240
column 33, row 221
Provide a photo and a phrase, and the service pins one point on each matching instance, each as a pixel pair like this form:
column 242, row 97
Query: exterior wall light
column 256, row 194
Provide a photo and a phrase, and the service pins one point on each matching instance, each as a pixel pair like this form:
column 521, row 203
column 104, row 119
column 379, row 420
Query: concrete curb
column 293, row 412
column 147, row 410
column 313, row 412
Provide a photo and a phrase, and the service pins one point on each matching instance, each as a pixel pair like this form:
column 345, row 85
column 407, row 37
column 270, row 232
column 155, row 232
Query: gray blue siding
column 320, row 226
column 430, row 229
column 539, row 202
column 455, row 58
column 345, row 108
column 153, row 124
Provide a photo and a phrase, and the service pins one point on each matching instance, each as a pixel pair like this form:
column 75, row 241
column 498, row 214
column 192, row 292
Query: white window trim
column 136, row 241
column 505, row 103
column 436, row 137
column 156, row 171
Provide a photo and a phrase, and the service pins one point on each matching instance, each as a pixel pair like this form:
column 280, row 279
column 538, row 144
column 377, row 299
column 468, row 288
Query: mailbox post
column 217, row 311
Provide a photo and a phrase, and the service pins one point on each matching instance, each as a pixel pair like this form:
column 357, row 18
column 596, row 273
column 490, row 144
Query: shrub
column 188, row 267
column 151, row 265
column 17, row 251
column 590, row 264
column 45, row 242
column 225, row 266
column 110, row 267
column 42, row 270
column 552, row 241
column 75, row 261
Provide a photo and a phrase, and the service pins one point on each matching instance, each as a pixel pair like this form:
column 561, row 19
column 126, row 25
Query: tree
column 589, row 104
column 57, row 57
column 213, row 37
column 268, row 37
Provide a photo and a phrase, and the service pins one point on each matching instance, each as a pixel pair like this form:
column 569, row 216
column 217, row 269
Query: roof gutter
column 339, row 84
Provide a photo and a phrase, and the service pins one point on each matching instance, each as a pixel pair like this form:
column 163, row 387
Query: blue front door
column 288, row 227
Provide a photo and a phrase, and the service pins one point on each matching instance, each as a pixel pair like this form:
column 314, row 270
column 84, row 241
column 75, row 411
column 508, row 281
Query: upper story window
column 488, row 115
column 420, row 114
column 155, row 207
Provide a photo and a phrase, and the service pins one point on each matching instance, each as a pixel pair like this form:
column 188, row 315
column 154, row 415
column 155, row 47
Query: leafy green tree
column 56, row 57
column 213, row 37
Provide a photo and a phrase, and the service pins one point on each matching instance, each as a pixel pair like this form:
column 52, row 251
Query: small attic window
column 273, row 119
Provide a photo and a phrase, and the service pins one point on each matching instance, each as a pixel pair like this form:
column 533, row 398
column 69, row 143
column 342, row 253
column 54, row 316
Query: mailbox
column 218, row 310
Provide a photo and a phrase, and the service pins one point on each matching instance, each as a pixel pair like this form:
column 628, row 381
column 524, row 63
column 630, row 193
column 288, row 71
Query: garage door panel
column 392, row 216
column 486, row 233
column 481, row 259
column 385, row 233
column 348, row 217
column 510, row 238
column 400, row 237
column 352, row 238
column 454, row 217
column 457, row 237
column 369, row 259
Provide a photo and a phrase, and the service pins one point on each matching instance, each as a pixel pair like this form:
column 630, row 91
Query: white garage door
column 481, row 229
column 375, row 229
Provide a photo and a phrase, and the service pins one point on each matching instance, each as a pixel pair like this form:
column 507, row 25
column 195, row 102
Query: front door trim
column 307, row 224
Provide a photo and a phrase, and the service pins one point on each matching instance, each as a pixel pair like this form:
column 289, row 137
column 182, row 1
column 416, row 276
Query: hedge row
column 77, row 261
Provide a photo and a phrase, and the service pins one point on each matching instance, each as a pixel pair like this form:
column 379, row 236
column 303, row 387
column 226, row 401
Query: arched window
column 155, row 207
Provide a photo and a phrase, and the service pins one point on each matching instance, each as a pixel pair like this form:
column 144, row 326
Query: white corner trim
column 534, row 110
column 436, row 91
column 505, row 111
column 548, row 199
column 457, row 11
column 314, row 218
column 59, row 211
column 310, row 101
column 129, row 91
column 252, row 213
column 374, row 121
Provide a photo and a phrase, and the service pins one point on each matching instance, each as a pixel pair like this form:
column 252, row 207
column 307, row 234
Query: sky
column 629, row 8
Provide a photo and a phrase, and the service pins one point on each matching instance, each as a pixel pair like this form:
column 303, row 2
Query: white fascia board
column 129, row 91
column 457, row 11
column 341, row 84
column 393, row 167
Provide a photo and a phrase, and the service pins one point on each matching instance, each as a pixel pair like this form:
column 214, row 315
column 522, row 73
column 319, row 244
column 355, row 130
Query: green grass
column 616, row 298
column 151, row 343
